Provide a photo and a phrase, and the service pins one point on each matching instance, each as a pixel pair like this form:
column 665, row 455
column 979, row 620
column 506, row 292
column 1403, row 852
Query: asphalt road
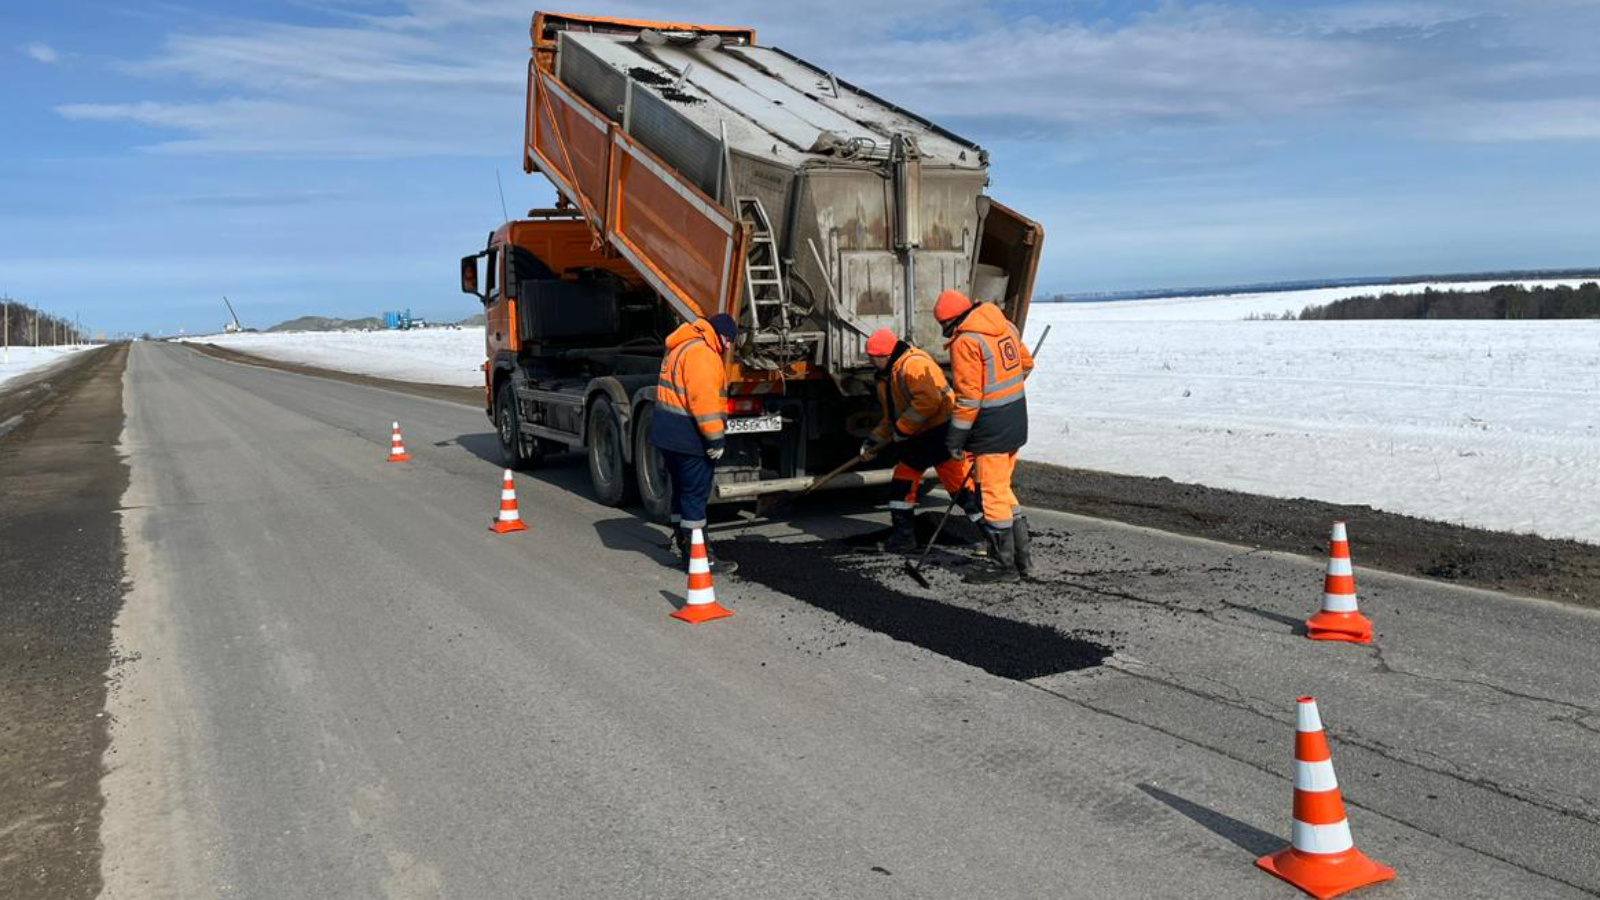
column 339, row 683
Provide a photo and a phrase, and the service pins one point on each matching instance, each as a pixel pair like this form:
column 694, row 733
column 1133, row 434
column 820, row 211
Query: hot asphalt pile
column 868, row 589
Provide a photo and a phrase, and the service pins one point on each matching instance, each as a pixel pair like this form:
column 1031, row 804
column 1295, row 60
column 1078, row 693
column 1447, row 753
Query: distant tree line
column 1504, row 301
column 29, row 327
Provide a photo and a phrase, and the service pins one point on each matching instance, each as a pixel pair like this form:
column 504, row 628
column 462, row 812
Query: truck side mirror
column 469, row 275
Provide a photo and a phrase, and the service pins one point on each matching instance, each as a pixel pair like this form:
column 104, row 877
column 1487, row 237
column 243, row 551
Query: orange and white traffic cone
column 702, row 605
column 509, row 518
column 1322, row 860
column 1339, row 619
column 397, row 446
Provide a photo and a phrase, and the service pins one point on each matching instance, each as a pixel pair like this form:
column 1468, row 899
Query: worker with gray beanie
column 690, row 421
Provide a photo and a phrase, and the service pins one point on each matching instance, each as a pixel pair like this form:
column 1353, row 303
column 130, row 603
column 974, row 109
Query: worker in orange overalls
column 988, row 365
column 917, row 403
column 689, row 421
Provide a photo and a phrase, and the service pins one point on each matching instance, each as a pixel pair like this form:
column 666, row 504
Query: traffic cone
column 1322, row 860
column 1339, row 619
column 397, row 446
column 509, row 518
column 702, row 605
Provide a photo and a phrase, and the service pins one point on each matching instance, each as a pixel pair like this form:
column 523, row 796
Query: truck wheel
column 655, row 491
column 518, row 450
column 608, row 470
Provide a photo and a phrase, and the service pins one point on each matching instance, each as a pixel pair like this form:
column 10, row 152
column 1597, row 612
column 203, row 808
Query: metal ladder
column 763, row 275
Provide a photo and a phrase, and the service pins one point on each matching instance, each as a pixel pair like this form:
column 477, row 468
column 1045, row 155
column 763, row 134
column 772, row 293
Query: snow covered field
column 431, row 355
column 1486, row 423
column 27, row 359
column 1275, row 303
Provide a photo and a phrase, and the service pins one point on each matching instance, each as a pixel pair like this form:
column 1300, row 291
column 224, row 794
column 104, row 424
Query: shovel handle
column 848, row 464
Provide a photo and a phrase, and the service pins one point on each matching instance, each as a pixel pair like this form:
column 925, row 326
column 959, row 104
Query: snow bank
column 28, row 359
column 431, row 355
column 1487, row 423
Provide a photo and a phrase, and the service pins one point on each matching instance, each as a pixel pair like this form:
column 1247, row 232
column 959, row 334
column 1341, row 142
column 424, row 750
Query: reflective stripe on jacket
column 988, row 365
column 692, row 392
column 913, row 393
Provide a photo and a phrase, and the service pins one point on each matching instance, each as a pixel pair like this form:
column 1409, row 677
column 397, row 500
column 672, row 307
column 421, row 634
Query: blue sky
column 337, row 156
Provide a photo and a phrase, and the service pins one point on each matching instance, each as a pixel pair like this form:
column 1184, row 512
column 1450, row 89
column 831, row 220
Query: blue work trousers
column 690, row 475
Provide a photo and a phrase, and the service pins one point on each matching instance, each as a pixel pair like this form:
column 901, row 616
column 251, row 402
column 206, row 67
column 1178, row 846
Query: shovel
column 769, row 505
column 915, row 571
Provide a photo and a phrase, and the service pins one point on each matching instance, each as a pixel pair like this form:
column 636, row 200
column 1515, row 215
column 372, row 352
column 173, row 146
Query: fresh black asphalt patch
column 858, row 587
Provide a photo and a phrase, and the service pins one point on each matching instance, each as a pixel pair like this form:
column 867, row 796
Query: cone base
column 1325, row 875
column 702, row 612
column 1331, row 626
column 499, row 527
column 404, row 457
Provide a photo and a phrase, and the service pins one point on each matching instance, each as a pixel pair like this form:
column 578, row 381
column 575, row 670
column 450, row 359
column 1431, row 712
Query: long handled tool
column 915, row 571
column 768, row 505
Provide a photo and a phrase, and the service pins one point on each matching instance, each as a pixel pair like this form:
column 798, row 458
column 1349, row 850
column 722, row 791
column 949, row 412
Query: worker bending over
column 690, row 420
column 917, row 403
column 988, row 365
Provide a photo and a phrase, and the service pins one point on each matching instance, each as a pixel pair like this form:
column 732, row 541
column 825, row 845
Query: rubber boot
column 972, row 504
column 902, row 531
column 1020, row 540
column 1002, row 567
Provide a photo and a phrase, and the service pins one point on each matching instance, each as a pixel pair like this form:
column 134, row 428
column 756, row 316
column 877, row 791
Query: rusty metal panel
column 683, row 242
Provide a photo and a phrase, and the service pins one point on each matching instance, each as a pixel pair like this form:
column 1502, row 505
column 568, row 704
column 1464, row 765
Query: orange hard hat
column 951, row 305
column 882, row 342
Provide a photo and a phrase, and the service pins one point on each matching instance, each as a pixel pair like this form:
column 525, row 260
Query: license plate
column 756, row 424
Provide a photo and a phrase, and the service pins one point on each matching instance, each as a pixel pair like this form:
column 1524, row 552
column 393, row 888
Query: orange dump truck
column 698, row 172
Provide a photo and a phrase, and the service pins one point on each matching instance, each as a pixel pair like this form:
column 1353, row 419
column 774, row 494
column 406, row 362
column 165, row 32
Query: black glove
column 869, row 448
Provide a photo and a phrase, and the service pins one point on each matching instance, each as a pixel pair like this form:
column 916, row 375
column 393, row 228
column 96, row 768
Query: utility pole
column 7, row 359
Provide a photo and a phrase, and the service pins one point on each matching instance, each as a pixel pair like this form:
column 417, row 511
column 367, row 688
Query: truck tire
column 608, row 467
column 517, row 449
column 655, row 492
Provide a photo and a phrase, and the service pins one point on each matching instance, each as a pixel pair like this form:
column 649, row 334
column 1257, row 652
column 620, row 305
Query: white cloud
column 1576, row 119
column 42, row 52
column 442, row 76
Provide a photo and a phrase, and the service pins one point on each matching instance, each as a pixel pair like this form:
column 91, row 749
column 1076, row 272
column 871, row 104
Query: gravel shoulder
column 1526, row 565
column 60, row 588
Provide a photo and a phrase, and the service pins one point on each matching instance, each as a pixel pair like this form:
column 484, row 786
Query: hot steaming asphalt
column 341, row 684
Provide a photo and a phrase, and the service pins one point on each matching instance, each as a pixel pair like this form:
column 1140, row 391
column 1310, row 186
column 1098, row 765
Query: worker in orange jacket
column 690, row 419
column 988, row 366
column 917, row 404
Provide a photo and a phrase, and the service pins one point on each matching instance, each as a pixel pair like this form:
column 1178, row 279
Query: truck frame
column 697, row 172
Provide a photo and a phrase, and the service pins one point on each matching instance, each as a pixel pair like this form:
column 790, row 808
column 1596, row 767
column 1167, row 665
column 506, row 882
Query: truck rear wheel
column 517, row 449
column 608, row 469
column 655, row 491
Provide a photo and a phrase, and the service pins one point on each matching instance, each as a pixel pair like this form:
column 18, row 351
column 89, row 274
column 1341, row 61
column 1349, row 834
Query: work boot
column 680, row 545
column 902, row 531
column 718, row 566
column 1002, row 565
column 1020, row 539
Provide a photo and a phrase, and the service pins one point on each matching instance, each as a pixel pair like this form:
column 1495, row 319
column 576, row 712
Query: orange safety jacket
column 914, row 395
column 988, row 365
column 692, row 393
